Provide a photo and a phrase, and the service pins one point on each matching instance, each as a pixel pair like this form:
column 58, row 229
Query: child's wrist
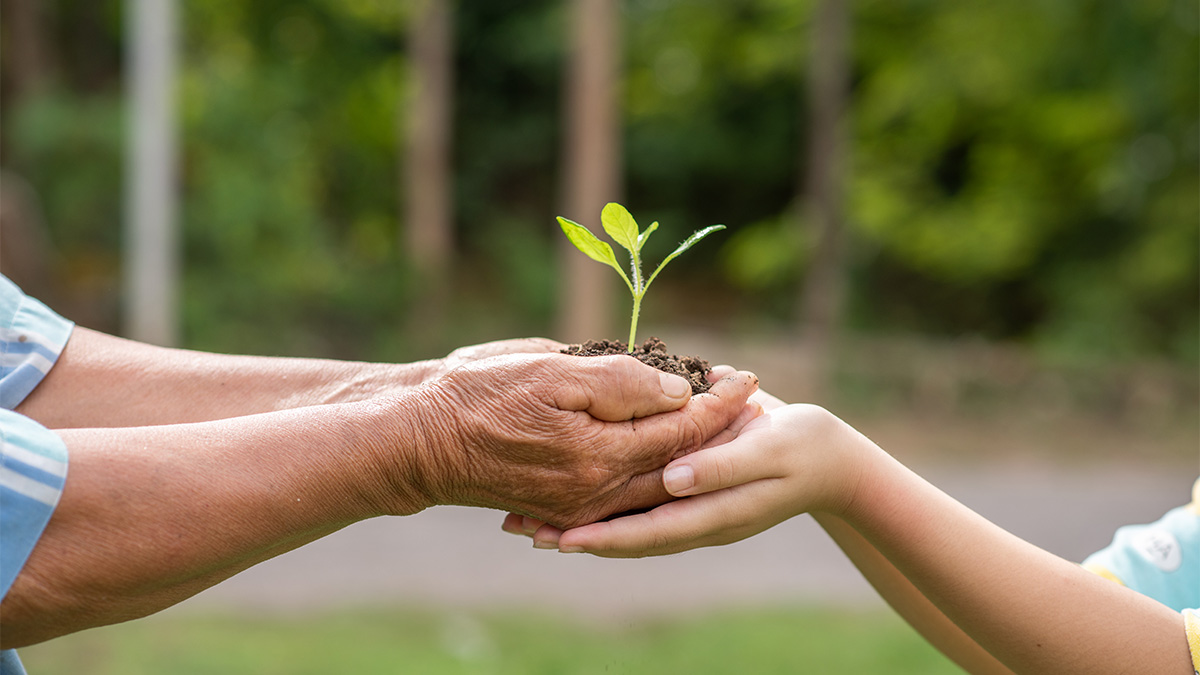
column 857, row 458
column 832, row 459
column 867, row 476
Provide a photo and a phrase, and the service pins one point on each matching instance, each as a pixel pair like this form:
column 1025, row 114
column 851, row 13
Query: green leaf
column 620, row 225
column 591, row 246
column 691, row 241
column 646, row 235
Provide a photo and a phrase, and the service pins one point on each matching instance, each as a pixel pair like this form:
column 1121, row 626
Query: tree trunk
column 822, row 296
column 26, row 47
column 428, row 204
column 592, row 165
column 428, row 213
column 25, row 249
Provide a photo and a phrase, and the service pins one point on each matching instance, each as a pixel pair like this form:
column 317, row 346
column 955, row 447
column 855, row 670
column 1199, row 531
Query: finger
column 641, row 492
column 512, row 524
column 689, row 428
column 723, row 437
column 719, row 372
column 546, row 537
column 515, row 523
column 648, row 444
column 547, row 343
column 768, row 401
column 617, row 388
column 742, row 460
column 705, row 520
column 501, row 347
column 749, row 412
column 531, row 345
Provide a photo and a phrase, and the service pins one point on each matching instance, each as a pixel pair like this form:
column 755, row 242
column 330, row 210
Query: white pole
column 151, row 242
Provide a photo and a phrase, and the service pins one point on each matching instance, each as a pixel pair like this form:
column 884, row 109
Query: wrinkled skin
column 547, row 534
column 187, row 468
column 563, row 439
column 471, row 353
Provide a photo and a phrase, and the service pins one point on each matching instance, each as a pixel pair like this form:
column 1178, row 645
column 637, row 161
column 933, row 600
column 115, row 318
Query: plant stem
column 637, row 308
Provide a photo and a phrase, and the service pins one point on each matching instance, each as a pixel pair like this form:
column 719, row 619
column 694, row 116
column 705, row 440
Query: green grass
column 517, row 642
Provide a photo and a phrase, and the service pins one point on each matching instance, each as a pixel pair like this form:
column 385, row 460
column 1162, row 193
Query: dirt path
column 458, row 557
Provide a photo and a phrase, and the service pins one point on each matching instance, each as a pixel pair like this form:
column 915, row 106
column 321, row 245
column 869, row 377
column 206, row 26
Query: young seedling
column 624, row 230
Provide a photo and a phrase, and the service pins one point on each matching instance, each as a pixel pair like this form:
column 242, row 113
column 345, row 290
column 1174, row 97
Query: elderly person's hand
column 564, row 439
column 547, row 535
column 485, row 350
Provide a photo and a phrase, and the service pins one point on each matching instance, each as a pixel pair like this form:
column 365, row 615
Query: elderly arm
column 105, row 381
column 152, row 515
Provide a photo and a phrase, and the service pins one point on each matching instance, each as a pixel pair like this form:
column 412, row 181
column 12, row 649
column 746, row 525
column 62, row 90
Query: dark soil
column 652, row 352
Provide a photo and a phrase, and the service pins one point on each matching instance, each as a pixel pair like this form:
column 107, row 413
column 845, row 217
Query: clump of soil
column 652, row 352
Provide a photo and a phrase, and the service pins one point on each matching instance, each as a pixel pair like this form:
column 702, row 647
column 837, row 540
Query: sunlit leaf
column 620, row 225
column 646, row 235
column 591, row 246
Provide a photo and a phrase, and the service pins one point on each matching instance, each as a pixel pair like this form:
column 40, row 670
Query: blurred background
column 972, row 229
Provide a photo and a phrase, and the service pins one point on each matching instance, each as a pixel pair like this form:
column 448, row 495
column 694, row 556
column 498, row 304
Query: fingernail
column 674, row 386
column 571, row 549
column 544, row 544
column 528, row 525
column 678, row 478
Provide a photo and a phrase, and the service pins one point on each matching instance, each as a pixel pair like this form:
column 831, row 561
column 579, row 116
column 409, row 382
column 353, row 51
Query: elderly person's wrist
column 405, row 444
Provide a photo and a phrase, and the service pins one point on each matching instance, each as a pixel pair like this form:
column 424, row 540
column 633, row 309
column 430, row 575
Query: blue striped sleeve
column 33, row 470
column 31, row 338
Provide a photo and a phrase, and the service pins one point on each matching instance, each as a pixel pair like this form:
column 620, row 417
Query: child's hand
column 798, row 458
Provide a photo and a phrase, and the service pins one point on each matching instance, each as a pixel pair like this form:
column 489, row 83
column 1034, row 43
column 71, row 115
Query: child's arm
column 1031, row 610
column 908, row 601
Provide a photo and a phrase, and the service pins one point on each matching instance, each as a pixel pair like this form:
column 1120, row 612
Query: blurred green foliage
column 1046, row 151
column 1022, row 171
column 784, row 640
column 289, row 115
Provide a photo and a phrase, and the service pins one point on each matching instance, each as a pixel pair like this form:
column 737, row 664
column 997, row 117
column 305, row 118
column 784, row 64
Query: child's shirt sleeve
column 1160, row 560
column 1191, row 619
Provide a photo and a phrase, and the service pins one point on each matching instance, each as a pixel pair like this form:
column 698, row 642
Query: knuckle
column 724, row 469
column 660, row 537
column 818, row 418
column 692, row 435
column 660, row 540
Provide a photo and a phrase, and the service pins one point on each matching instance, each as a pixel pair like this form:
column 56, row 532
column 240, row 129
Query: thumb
column 618, row 388
column 718, row 467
